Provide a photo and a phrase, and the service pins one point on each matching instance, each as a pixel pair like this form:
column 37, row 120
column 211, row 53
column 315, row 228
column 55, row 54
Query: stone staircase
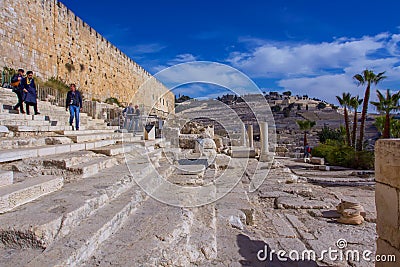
column 52, row 118
column 76, row 198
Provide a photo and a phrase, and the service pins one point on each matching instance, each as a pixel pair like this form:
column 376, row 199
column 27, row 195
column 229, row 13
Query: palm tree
column 355, row 102
column 344, row 101
column 367, row 77
column 386, row 105
column 305, row 126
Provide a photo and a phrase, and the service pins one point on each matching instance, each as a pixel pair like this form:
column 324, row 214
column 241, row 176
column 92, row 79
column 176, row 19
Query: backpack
column 15, row 84
column 14, row 80
column 309, row 149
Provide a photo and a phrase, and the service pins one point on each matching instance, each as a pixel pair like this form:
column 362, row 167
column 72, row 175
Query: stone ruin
column 99, row 197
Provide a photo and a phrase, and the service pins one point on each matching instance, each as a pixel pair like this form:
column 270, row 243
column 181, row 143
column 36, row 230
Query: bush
column 336, row 153
column 55, row 83
column 113, row 100
column 328, row 133
column 276, row 108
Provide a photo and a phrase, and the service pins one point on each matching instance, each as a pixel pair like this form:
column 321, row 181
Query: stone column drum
column 265, row 155
column 250, row 135
column 243, row 136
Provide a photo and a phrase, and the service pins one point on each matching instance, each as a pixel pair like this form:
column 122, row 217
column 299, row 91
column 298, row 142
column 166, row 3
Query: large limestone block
column 387, row 164
column 242, row 152
column 387, row 207
column 18, row 194
column 317, row 161
column 16, row 154
column 384, row 249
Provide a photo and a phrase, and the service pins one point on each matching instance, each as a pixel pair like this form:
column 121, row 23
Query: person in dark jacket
column 128, row 116
column 18, row 89
column 74, row 104
column 136, row 118
column 30, row 95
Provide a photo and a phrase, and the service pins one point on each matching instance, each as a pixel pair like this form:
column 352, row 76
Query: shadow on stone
column 250, row 251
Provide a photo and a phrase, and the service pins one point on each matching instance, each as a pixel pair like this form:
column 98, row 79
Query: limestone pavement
column 86, row 199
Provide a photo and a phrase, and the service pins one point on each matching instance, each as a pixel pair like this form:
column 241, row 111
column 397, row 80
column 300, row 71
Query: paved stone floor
column 288, row 214
column 291, row 213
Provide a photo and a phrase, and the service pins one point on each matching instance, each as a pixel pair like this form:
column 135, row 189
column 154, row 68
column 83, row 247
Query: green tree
column 332, row 134
column 305, row 125
column 394, row 126
column 386, row 105
column 276, row 108
column 113, row 100
column 355, row 102
column 366, row 77
column 344, row 101
column 321, row 105
column 287, row 93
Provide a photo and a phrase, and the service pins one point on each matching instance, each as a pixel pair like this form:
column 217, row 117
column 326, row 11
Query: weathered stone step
column 66, row 160
column 202, row 239
column 15, row 195
column 36, row 123
column 41, row 128
column 63, row 210
column 23, row 153
column 85, row 239
column 153, row 236
column 93, row 166
column 115, row 149
column 100, row 136
column 350, row 181
column 83, row 132
column 6, row 178
column 9, row 116
column 10, row 123
column 233, row 212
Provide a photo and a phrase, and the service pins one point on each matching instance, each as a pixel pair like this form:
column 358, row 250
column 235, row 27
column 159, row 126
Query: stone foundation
column 387, row 171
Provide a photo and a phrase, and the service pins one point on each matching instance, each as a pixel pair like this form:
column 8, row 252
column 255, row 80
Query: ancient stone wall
column 387, row 172
column 48, row 38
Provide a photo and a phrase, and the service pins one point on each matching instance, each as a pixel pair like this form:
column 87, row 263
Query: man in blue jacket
column 29, row 91
column 74, row 103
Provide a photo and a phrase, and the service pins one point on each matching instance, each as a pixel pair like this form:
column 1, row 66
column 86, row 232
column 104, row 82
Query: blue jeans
column 74, row 112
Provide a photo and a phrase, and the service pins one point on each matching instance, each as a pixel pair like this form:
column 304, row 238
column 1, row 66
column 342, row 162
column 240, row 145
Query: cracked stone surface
column 287, row 212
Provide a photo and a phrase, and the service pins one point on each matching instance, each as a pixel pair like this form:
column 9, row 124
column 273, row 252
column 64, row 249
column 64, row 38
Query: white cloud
column 324, row 87
column 324, row 69
column 274, row 60
column 182, row 58
column 207, row 72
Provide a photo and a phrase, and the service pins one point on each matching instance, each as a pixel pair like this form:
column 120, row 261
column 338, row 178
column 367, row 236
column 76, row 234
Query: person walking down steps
column 74, row 104
column 17, row 83
column 29, row 91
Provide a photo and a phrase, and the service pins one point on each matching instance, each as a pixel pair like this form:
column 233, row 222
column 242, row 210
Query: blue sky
column 310, row 47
